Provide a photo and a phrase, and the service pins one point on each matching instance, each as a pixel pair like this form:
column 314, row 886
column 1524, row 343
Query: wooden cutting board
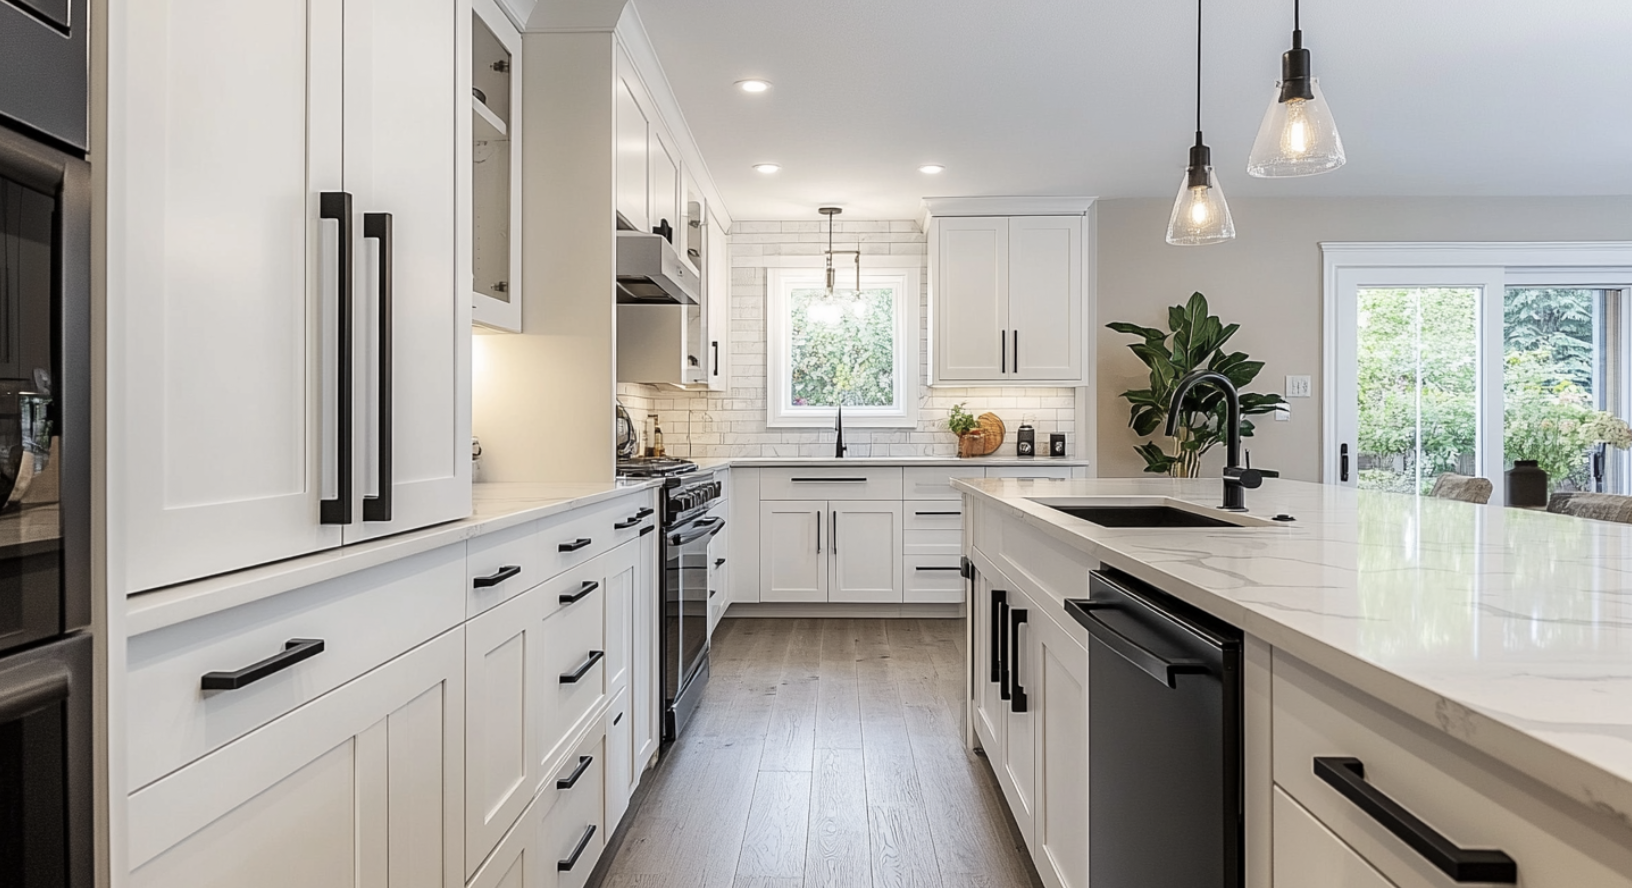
column 993, row 428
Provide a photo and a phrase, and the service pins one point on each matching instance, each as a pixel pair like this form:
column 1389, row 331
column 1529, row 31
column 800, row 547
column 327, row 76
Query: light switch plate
column 1298, row 387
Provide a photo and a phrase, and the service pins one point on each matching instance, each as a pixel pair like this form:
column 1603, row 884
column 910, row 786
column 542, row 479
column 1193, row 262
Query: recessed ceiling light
column 767, row 167
column 931, row 168
column 753, row 86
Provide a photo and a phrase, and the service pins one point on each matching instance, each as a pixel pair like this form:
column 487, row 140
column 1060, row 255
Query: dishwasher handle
column 1163, row 669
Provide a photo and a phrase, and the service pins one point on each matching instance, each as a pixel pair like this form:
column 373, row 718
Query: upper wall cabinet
column 495, row 115
column 634, row 190
column 1007, row 297
column 289, row 346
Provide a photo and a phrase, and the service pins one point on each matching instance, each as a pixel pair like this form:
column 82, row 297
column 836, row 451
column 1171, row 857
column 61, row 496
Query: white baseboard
column 793, row 610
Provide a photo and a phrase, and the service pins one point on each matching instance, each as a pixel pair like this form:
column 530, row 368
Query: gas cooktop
column 654, row 468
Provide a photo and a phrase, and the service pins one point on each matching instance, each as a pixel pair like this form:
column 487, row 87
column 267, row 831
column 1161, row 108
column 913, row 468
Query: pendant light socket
column 1201, row 160
column 1295, row 82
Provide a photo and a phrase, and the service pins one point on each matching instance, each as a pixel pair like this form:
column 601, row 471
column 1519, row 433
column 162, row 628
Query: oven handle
column 710, row 526
column 34, row 694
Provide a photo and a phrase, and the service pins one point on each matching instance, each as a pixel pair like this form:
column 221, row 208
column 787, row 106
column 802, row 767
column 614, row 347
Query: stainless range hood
column 651, row 272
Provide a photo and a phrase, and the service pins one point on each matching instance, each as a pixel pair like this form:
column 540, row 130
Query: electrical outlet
column 1298, row 387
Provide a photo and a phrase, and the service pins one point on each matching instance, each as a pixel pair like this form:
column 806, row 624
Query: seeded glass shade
column 1200, row 215
column 1298, row 138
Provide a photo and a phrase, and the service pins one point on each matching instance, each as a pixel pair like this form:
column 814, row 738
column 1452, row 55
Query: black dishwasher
column 1164, row 739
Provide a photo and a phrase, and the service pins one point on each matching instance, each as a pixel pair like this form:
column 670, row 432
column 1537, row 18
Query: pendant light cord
column 1198, row 72
column 1296, row 21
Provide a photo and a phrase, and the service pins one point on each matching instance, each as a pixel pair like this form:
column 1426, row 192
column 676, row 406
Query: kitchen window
column 853, row 348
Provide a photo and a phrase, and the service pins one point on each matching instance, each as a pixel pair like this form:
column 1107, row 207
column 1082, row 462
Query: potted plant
column 1195, row 340
column 966, row 427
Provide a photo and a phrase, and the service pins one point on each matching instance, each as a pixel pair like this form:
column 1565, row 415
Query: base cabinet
column 362, row 787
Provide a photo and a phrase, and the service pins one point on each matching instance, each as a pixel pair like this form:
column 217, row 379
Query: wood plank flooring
column 826, row 754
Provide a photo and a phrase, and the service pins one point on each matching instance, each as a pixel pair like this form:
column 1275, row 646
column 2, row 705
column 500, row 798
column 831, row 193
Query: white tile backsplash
column 732, row 423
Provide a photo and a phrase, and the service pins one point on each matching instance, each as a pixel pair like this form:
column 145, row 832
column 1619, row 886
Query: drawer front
column 501, row 566
column 824, row 483
column 179, row 721
column 1554, row 841
column 1307, row 853
column 932, row 542
column 627, row 517
column 580, row 587
column 571, row 639
column 935, row 483
column 505, row 564
column 934, row 515
column 577, row 814
column 1042, row 472
column 579, row 536
column 501, row 764
column 932, row 579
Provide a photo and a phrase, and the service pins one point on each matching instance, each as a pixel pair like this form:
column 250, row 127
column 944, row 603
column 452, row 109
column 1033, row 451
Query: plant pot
column 1526, row 484
column 972, row 444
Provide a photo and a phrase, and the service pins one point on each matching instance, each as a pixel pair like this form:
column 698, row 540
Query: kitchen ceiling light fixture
column 831, row 307
column 767, row 167
column 932, row 168
column 1298, row 136
column 753, row 86
column 1200, row 215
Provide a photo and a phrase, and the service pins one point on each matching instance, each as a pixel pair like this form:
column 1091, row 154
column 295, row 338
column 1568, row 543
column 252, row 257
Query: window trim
column 909, row 330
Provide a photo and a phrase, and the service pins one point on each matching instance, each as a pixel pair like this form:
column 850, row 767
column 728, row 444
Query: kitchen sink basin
column 1142, row 516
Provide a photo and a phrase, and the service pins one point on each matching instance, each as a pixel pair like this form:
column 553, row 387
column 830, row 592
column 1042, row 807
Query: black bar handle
column 927, row 567
column 719, row 562
column 1003, row 647
column 571, row 780
column 715, row 345
column 828, row 480
column 576, row 544
column 493, row 579
column 294, row 650
column 1348, row 776
column 937, row 513
column 35, row 693
column 1017, row 694
column 711, row 592
column 1003, row 346
column 999, row 598
column 627, row 523
column 1343, row 463
column 644, row 512
column 647, row 529
column 818, row 531
column 574, row 597
column 1017, row 352
column 378, row 226
column 572, row 677
column 336, row 205
column 1151, row 663
column 708, row 527
column 966, row 567
column 835, row 544
column 566, row 866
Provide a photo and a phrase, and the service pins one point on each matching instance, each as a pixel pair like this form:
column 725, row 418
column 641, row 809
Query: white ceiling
column 1088, row 97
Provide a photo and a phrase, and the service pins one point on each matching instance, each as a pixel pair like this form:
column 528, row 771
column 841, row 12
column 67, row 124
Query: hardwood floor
column 826, row 754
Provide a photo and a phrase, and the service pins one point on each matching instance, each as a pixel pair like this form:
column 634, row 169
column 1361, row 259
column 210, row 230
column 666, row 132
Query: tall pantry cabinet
column 288, row 241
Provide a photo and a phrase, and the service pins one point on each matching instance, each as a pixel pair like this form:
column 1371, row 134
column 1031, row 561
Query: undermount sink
column 1150, row 512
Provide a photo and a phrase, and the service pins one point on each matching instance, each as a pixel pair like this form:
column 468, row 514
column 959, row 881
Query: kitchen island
column 1484, row 654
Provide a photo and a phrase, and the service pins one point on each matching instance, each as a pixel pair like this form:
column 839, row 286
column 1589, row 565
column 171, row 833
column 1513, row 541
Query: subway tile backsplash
column 732, row 423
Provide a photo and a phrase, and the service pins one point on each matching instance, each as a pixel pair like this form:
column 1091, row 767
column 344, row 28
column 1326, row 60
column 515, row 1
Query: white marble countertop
column 1506, row 628
column 754, row 462
column 495, row 507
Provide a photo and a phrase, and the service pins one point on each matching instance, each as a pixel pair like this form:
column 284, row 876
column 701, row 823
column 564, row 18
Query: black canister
column 1526, row 484
column 1056, row 444
column 1025, row 441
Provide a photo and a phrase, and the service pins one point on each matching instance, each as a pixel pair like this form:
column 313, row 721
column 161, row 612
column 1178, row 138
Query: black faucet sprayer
column 1236, row 477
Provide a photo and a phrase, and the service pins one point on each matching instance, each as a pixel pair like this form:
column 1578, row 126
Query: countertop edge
column 1602, row 791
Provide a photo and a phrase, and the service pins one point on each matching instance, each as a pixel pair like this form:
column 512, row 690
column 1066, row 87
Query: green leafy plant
column 1195, row 341
column 961, row 421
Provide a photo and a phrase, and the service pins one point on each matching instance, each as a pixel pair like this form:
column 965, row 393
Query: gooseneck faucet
column 1236, row 478
column 838, row 442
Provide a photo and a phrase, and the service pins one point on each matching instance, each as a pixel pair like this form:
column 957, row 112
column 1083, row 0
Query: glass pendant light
column 1200, row 215
column 1298, row 136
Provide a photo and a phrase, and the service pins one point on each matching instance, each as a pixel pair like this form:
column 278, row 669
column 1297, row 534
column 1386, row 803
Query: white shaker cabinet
column 246, row 245
column 794, row 556
column 496, row 152
column 665, row 185
column 633, row 191
column 1007, row 299
column 866, row 550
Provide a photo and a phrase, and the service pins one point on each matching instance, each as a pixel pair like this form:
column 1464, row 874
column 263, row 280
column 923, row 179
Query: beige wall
column 1269, row 281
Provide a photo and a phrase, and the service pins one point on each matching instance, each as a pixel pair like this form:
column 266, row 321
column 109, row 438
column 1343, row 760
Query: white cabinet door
column 621, row 774
column 221, row 283
column 501, row 756
column 633, row 169
column 793, row 561
column 1045, row 297
column 1017, row 772
column 404, row 159
column 622, row 565
column 647, row 683
column 969, row 280
column 665, row 182
column 719, row 561
column 1058, row 686
column 866, row 552
column 1307, row 853
column 361, row 787
column 717, row 286
column 989, row 611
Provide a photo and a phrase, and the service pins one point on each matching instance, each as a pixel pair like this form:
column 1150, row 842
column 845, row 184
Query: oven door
column 685, row 597
column 45, row 766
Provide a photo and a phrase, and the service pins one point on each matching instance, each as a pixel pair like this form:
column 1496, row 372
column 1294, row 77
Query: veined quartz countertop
column 495, row 507
column 1505, row 628
column 1008, row 462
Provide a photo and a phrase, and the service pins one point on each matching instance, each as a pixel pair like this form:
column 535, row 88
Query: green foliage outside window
column 844, row 348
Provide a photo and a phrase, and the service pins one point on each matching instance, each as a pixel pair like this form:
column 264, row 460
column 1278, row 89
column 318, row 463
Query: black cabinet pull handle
column 1003, row 348
column 627, row 523
column 818, row 531
column 576, row 544
column 378, row 227
column 715, row 345
column 294, row 650
column 927, row 567
column 711, row 592
column 1017, row 694
column 566, row 866
column 1343, row 463
column 828, row 480
column 1348, row 776
column 1017, row 352
column 835, row 544
column 999, row 597
column 21, row 698
column 644, row 511
column 493, row 579
column 966, row 567
column 937, row 513
column 572, row 677
column 571, row 780
column 617, row 720
column 1003, row 648
column 572, row 597
column 1151, row 663
column 719, row 562
column 336, row 205
column 647, row 529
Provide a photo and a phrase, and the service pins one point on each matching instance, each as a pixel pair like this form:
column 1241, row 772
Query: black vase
column 1526, row 484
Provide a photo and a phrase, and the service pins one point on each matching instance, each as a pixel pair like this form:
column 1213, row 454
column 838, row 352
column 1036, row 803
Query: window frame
column 907, row 283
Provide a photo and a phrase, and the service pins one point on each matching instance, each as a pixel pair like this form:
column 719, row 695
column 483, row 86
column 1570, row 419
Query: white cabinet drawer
column 177, row 721
column 935, row 483
column 1307, row 853
column 574, row 829
column 932, row 579
column 1039, row 472
column 932, row 542
column 580, row 535
column 501, row 566
column 574, row 675
column 825, row 483
column 505, row 564
column 934, row 515
column 1475, row 803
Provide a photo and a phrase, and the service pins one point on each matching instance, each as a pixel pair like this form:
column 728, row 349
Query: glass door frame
column 1491, row 268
